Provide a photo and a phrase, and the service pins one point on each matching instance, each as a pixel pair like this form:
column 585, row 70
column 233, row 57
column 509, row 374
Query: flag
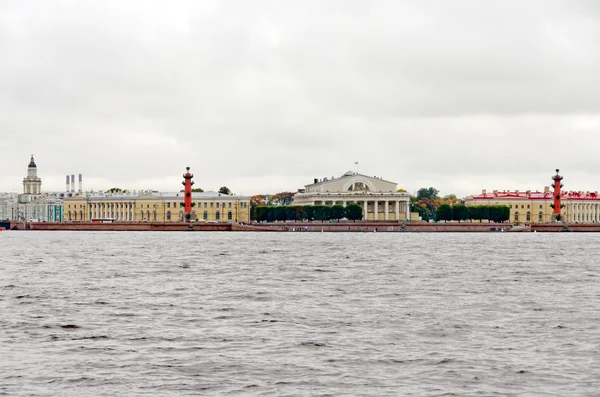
column 356, row 162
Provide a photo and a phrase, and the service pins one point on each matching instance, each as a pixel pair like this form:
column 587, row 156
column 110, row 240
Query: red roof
column 529, row 195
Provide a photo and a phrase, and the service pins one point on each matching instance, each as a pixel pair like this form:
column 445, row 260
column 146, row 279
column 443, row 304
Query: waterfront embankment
column 361, row 226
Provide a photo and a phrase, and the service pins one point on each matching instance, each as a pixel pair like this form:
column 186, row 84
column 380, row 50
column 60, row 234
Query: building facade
column 32, row 205
column 378, row 198
column 155, row 207
column 534, row 207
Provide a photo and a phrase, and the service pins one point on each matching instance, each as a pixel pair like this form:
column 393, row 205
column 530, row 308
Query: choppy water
column 252, row 314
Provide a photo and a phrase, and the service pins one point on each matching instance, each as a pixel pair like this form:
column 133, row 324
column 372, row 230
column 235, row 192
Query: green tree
column 484, row 212
column 354, row 212
column 261, row 213
column 474, row 213
column 401, row 190
column 308, row 212
column 270, row 213
column 224, row 190
column 115, row 190
column 338, row 212
column 290, row 213
column 195, row 190
column 327, row 212
column 460, row 212
column 279, row 213
column 429, row 193
column 444, row 213
column 319, row 213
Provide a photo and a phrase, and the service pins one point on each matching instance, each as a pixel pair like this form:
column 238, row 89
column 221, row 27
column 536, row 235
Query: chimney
column 72, row 183
column 546, row 189
column 80, row 183
column 484, row 192
column 67, row 184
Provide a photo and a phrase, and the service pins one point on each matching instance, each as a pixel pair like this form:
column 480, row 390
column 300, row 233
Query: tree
column 460, row 212
column 338, row 212
column 319, row 212
column 401, row 190
column 308, row 212
column 474, row 213
column 279, row 213
column 444, row 213
column 195, row 190
column 225, row 190
column 282, row 198
column 484, row 212
column 290, row 213
column 114, row 190
column 429, row 193
column 354, row 212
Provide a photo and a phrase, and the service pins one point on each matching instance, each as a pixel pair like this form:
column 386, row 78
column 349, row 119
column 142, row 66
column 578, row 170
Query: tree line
column 269, row 213
column 460, row 212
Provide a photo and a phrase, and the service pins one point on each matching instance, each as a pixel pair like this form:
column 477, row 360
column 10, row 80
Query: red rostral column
column 557, row 188
column 187, row 199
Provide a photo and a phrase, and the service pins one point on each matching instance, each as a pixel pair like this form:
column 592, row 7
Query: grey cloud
column 269, row 94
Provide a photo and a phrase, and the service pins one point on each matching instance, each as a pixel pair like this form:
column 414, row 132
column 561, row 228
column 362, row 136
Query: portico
column 377, row 197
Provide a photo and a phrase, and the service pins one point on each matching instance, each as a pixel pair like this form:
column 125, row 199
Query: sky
column 264, row 96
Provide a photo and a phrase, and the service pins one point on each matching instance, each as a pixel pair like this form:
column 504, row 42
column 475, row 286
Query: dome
column 32, row 163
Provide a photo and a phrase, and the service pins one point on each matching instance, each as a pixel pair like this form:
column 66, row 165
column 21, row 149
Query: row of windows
column 128, row 205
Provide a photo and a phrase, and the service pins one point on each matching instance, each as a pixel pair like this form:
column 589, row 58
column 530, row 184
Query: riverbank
column 303, row 227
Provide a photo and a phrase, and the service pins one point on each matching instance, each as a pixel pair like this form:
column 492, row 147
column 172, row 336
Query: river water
column 299, row 314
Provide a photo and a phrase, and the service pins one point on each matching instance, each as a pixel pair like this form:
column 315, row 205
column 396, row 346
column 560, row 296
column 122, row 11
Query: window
column 540, row 206
column 168, row 215
column 528, row 215
column 217, row 215
column 541, row 216
column 229, row 207
column 527, row 206
column 168, row 205
column 229, row 215
column 516, row 216
column 205, row 205
column 205, row 215
column 522, row 206
column 211, row 205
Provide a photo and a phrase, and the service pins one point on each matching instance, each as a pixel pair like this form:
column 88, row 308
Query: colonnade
column 583, row 212
column 116, row 210
column 381, row 209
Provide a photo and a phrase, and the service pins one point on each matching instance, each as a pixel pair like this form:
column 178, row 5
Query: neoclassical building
column 147, row 206
column 534, row 206
column 378, row 198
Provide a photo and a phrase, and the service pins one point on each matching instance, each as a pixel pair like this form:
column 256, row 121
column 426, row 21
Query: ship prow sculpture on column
column 189, row 215
column 556, row 204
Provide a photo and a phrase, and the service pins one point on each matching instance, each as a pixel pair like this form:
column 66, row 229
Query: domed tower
column 32, row 184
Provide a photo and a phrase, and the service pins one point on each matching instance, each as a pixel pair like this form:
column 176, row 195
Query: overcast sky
column 264, row 96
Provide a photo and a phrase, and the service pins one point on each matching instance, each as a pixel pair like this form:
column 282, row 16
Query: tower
column 556, row 202
column 187, row 198
column 32, row 184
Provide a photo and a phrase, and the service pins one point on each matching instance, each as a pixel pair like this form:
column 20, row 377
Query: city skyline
column 263, row 97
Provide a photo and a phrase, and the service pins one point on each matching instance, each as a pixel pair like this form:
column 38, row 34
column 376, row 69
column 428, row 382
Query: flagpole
column 357, row 167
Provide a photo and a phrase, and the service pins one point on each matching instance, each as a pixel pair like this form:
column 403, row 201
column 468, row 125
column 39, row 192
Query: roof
column 529, row 195
column 350, row 174
column 32, row 163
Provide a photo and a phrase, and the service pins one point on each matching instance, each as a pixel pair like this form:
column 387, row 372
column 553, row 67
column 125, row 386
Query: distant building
column 378, row 198
column 32, row 205
column 534, row 207
column 155, row 207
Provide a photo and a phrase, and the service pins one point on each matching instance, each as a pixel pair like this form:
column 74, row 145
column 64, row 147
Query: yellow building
column 534, row 207
column 155, row 207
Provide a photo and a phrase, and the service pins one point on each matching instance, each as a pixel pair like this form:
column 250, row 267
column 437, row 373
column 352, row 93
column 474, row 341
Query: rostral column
column 187, row 197
column 556, row 204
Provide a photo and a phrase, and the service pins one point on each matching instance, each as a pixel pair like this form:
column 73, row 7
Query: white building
column 32, row 204
column 378, row 198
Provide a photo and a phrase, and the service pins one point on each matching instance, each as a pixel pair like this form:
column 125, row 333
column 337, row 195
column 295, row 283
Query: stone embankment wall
column 130, row 226
column 361, row 226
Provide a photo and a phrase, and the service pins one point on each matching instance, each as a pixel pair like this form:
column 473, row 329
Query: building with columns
column 378, row 198
column 534, row 206
column 149, row 206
